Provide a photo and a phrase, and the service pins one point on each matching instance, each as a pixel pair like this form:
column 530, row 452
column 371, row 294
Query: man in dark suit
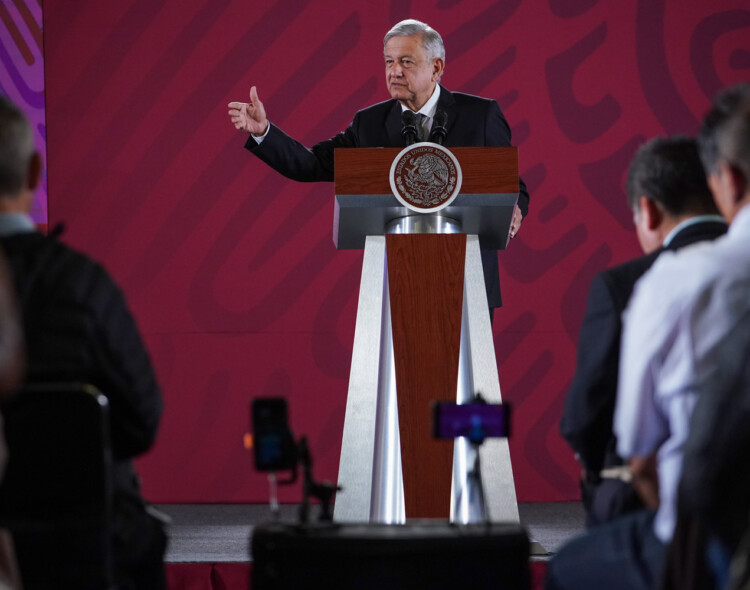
column 673, row 207
column 414, row 62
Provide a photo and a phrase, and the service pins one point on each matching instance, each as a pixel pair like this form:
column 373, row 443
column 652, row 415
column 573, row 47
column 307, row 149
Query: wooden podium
column 422, row 334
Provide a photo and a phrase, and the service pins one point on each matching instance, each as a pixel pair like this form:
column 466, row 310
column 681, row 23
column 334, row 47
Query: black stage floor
column 216, row 533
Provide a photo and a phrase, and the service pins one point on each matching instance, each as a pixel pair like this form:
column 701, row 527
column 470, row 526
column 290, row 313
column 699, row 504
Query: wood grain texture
column 425, row 276
column 485, row 170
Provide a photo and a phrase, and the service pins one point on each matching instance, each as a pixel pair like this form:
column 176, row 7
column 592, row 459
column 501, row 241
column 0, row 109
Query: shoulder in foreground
column 680, row 274
column 33, row 248
column 699, row 256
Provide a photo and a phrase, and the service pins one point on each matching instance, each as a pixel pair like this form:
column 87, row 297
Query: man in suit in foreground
column 414, row 63
column 685, row 339
column 78, row 328
column 713, row 508
column 672, row 207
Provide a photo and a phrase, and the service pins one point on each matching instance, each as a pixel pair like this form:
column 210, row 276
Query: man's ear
column 34, row 175
column 738, row 184
column 438, row 67
column 651, row 213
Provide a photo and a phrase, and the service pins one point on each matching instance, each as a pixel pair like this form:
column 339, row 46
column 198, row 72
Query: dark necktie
column 419, row 122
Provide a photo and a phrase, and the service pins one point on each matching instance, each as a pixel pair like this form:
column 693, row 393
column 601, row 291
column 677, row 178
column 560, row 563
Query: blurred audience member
column 11, row 373
column 627, row 551
column 78, row 328
column 686, row 337
column 714, row 498
column 11, row 340
column 672, row 207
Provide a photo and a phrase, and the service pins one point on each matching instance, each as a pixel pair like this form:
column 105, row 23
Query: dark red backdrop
column 231, row 270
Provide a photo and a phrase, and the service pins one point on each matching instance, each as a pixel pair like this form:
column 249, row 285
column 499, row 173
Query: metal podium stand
column 422, row 333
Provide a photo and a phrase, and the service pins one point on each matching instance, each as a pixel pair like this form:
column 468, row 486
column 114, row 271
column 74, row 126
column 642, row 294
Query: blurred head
column 665, row 185
column 724, row 141
column 414, row 62
column 20, row 165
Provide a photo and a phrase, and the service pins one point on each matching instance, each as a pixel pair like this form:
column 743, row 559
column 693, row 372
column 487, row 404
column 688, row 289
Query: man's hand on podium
column 249, row 116
column 516, row 223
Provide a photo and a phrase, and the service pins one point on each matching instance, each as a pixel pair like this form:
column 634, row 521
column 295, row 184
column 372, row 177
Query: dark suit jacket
column 589, row 407
column 472, row 121
column 78, row 327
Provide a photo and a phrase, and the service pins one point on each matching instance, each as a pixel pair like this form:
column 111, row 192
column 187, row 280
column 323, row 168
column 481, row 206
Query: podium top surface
column 365, row 204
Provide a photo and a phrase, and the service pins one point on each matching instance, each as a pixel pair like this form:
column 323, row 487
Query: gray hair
column 431, row 39
column 16, row 148
column 725, row 132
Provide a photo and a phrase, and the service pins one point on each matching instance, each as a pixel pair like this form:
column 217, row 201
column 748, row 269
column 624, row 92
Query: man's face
column 410, row 75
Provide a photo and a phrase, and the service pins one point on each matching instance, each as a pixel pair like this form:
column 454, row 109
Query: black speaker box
column 424, row 554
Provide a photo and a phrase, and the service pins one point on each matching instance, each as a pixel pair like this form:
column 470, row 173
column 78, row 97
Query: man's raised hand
column 249, row 116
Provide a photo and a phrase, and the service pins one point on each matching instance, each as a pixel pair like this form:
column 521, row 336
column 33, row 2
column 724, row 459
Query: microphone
column 439, row 132
column 409, row 129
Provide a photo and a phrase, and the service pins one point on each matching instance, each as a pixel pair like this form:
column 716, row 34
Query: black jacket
column 78, row 327
column 590, row 404
column 472, row 121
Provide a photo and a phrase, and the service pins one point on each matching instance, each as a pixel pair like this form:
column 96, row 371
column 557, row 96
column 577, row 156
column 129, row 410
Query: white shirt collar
column 429, row 108
column 687, row 223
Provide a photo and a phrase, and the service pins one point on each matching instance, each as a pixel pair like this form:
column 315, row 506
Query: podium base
column 370, row 464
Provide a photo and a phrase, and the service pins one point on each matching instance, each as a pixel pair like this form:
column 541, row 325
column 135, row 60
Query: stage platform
column 209, row 545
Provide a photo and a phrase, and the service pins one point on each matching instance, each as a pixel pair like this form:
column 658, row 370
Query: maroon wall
column 231, row 270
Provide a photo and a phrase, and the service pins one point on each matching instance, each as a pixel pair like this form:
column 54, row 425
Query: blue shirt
column 679, row 337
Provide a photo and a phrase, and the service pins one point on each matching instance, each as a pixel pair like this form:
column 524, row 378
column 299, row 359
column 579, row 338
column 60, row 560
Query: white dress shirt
column 677, row 335
column 428, row 110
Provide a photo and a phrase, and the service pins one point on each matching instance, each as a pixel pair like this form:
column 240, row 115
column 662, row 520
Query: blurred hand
column 515, row 225
column 249, row 116
column 646, row 479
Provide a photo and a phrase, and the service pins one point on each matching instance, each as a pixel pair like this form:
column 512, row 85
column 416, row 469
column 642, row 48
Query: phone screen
column 475, row 421
column 273, row 443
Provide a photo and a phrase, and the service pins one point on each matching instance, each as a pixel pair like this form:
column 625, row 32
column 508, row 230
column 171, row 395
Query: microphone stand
column 409, row 129
column 439, row 132
column 323, row 491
